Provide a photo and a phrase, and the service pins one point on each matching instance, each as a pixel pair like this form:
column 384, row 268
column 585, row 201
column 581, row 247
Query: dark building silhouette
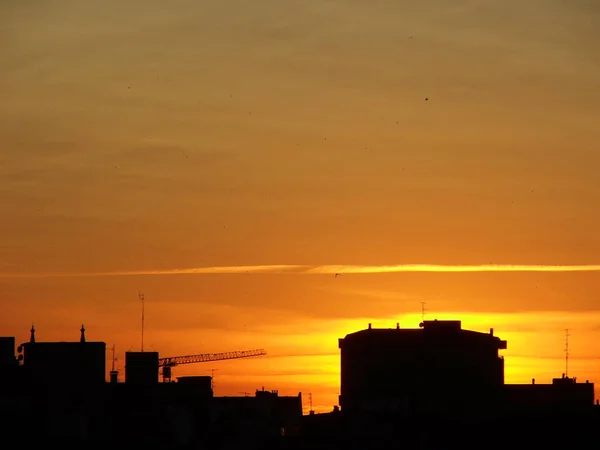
column 141, row 368
column 438, row 367
column 7, row 351
column 438, row 386
column 201, row 383
column 8, row 363
column 59, row 363
column 59, row 389
column 563, row 394
column 266, row 414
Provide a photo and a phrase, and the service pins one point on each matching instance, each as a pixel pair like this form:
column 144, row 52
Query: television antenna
column 567, row 352
column 114, row 359
column 141, row 298
column 423, row 309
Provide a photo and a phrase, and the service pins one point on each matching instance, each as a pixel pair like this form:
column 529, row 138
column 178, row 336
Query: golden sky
column 151, row 136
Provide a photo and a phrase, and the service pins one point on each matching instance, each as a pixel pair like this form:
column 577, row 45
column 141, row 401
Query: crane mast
column 167, row 363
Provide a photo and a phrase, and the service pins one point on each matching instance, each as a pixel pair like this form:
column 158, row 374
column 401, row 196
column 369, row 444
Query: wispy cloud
column 273, row 269
column 452, row 268
column 326, row 269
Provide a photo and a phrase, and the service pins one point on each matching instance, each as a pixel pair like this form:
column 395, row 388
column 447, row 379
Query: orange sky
column 150, row 136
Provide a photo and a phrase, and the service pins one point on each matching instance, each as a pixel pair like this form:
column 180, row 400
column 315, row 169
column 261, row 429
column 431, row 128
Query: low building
column 562, row 394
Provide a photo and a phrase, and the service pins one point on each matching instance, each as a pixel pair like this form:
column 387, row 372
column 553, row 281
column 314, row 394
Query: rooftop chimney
column 369, row 326
column 492, row 331
column 397, row 326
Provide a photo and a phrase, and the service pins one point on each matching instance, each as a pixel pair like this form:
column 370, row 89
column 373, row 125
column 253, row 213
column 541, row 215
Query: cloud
column 451, row 268
column 326, row 269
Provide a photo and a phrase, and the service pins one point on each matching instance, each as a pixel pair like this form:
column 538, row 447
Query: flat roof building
column 437, row 367
column 71, row 363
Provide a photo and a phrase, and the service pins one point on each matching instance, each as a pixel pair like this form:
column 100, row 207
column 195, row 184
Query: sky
column 138, row 139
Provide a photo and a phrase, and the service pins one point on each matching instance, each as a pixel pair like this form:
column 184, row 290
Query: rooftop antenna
column 423, row 309
column 567, row 352
column 310, row 402
column 114, row 375
column 113, row 358
column 212, row 379
column 141, row 297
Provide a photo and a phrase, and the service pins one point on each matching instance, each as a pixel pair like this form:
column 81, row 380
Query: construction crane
column 168, row 363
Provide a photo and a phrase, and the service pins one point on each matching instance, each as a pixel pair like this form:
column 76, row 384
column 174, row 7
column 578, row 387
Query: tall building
column 435, row 368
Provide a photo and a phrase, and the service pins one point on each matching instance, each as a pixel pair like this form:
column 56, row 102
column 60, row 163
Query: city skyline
column 317, row 373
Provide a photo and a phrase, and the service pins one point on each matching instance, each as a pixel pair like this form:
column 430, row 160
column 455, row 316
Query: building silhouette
column 563, row 394
column 141, row 368
column 59, row 363
column 435, row 368
column 60, row 390
column 435, row 387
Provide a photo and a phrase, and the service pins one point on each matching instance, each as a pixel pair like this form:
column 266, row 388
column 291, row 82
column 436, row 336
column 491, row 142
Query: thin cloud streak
column 272, row 269
column 325, row 269
column 453, row 268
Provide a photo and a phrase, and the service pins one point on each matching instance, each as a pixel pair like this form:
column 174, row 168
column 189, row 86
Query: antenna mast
column 567, row 352
column 212, row 379
column 310, row 402
column 141, row 297
column 113, row 358
column 423, row 311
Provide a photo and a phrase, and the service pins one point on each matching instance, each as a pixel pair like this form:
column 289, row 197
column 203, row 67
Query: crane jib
column 207, row 357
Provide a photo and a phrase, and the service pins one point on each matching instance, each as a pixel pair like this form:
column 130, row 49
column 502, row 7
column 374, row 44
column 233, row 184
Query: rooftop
column 430, row 327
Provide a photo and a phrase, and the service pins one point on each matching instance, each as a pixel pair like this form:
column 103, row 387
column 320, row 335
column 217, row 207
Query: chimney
column 397, row 326
column 491, row 331
column 369, row 326
column 533, row 381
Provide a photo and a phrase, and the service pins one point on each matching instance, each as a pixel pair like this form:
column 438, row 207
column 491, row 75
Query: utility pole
column 567, row 352
column 141, row 297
